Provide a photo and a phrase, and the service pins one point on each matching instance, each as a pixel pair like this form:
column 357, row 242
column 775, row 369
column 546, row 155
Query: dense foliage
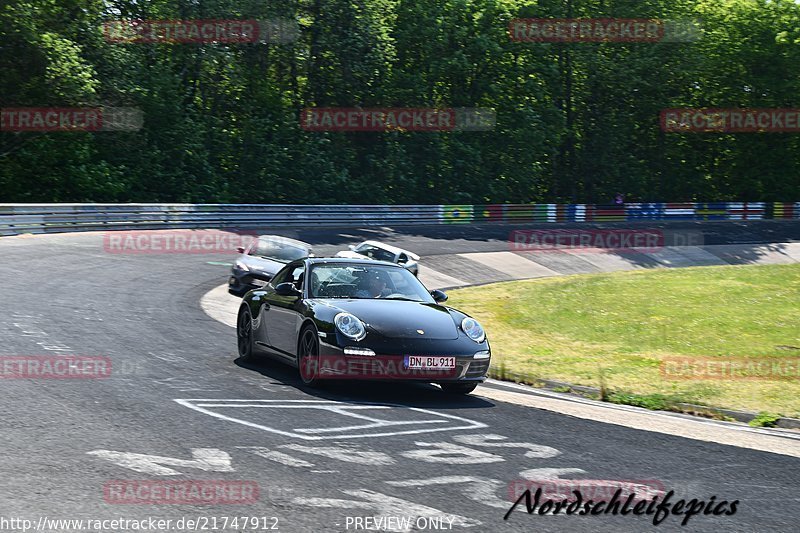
column 575, row 121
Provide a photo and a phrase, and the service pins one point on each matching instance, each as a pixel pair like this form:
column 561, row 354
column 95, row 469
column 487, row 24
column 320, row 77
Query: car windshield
column 278, row 250
column 374, row 252
column 362, row 281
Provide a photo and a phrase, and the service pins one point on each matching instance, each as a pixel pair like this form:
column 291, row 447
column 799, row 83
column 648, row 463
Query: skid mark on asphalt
column 29, row 326
column 278, row 457
column 185, row 385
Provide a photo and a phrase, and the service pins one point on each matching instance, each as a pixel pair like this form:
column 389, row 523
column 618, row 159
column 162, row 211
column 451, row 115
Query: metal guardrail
column 57, row 218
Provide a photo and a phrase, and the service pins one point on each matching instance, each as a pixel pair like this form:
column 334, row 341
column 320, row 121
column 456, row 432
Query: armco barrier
column 56, row 218
column 521, row 213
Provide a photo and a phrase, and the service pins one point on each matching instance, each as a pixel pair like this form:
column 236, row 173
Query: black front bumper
column 241, row 281
column 388, row 363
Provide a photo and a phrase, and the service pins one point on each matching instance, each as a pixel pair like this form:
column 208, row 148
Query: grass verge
column 621, row 331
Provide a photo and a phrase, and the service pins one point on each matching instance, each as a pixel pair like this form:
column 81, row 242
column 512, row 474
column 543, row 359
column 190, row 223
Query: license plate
column 430, row 362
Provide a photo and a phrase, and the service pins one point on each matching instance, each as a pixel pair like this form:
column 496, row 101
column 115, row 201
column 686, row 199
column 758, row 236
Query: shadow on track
column 405, row 393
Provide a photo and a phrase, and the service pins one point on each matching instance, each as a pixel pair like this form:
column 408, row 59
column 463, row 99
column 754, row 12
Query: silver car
column 383, row 252
column 262, row 259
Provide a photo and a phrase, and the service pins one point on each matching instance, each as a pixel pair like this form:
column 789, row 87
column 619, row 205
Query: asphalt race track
column 179, row 406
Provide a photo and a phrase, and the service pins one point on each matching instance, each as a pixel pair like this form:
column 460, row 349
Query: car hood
column 261, row 265
column 400, row 319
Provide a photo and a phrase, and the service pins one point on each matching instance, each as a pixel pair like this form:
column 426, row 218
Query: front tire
column 244, row 334
column 458, row 388
column 308, row 356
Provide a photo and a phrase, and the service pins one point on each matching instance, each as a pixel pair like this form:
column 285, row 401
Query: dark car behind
column 262, row 259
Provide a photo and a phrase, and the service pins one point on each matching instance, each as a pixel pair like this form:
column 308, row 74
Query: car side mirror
column 402, row 260
column 286, row 289
column 439, row 296
column 352, row 246
column 240, row 249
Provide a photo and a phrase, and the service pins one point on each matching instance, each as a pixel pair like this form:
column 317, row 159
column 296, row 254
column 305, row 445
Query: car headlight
column 241, row 266
column 473, row 330
column 350, row 326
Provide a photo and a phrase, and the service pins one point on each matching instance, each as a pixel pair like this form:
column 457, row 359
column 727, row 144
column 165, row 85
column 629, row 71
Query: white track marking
column 341, row 453
column 536, row 474
column 206, row 459
column 374, row 427
column 446, row 452
column 387, row 507
column 375, row 422
column 536, row 451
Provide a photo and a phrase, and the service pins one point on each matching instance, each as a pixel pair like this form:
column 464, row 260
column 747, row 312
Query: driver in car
column 376, row 287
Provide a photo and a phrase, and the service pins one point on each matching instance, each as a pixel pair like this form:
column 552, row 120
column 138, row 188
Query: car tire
column 244, row 334
column 308, row 356
column 458, row 388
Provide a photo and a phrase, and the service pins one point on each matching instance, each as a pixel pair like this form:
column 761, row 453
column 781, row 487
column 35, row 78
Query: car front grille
column 254, row 280
column 477, row 369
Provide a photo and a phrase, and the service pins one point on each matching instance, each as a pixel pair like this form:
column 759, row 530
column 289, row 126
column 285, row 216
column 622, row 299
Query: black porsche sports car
column 336, row 318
